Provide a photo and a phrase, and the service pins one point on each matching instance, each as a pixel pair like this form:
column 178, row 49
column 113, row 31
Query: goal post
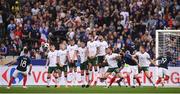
column 168, row 40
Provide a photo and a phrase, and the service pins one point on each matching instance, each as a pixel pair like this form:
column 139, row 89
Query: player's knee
column 65, row 76
column 70, row 70
column 56, row 77
column 96, row 70
column 75, row 70
column 135, row 76
column 82, row 74
column 60, row 75
column 48, row 77
column 90, row 68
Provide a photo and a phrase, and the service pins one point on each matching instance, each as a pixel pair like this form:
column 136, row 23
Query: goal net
column 168, row 40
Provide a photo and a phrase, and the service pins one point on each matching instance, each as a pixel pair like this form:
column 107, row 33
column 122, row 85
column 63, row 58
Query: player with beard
column 92, row 49
column 82, row 54
column 72, row 49
column 112, row 60
column 62, row 62
column 102, row 45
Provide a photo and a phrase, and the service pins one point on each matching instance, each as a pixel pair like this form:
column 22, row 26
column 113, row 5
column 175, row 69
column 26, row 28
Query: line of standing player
column 96, row 53
column 58, row 61
column 68, row 55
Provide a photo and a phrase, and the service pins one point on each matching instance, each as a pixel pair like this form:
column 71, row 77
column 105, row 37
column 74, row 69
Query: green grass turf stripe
column 98, row 89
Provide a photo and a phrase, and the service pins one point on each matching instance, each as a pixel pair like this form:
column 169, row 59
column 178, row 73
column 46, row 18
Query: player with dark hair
column 144, row 60
column 72, row 49
column 62, row 62
column 131, row 66
column 112, row 60
column 23, row 61
column 82, row 56
column 92, row 51
column 52, row 65
column 163, row 67
column 102, row 45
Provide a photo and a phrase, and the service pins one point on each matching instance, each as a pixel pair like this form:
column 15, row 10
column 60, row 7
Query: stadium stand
column 124, row 23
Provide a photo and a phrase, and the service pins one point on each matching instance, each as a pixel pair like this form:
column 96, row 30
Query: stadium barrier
column 39, row 74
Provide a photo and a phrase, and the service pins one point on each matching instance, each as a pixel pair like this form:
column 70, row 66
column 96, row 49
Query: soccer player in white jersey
column 72, row 49
column 112, row 60
column 82, row 54
column 102, row 45
column 62, row 61
column 92, row 53
column 52, row 63
column 144, row 60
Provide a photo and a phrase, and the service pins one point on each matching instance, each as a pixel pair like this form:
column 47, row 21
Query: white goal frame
column 157, row 38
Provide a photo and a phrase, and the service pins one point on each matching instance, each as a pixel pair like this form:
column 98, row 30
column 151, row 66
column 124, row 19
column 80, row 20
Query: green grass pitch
column 97, row 89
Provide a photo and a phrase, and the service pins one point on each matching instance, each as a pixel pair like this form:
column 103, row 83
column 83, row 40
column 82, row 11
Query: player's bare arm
column 134, row 57
column 98, row 50
column 68, row 56
column 75, row 55
column 30, row 68
column 152, row 61
column 88, row 53
column 47, row 63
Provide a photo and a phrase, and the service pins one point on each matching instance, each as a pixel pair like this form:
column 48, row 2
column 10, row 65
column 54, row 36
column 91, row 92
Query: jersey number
column 163, row 60
column 23, row 63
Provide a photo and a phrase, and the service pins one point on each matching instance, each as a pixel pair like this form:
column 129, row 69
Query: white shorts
column 130, row 69
column 134, row 69
column 16, row 72
column 162, row 71
column 125, row 69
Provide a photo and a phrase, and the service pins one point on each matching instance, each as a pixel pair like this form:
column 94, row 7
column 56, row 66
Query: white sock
column 83, row 79
column 134, row 82
column 56, row 81
column 103, row 69
column 96, row 74
column 106, row 83
column 74, row 77
column 90, row 75
column 59, row 80
column 65, row 82
column 131, row 80
column 100, row 70
column 48, row 82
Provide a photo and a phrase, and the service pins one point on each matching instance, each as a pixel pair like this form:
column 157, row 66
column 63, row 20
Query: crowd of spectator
column 123, row 23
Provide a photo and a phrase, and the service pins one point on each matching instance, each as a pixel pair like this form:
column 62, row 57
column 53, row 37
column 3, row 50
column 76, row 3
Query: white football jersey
column 92, row 48
column 112, row 62
column 52, row 56
column 71, row 51
column 143, row 59
column 82, row 54
column 102, row 48
column 63, row 56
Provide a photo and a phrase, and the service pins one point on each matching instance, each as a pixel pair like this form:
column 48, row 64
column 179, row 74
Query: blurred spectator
column 123, row 23
column 3, row 50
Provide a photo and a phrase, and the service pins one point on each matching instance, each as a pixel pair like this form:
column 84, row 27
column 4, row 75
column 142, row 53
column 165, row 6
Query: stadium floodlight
column 168, row 41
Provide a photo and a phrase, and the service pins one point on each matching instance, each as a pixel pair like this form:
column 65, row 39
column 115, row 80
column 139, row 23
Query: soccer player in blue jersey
column 163, row 67
column 23, row 61
column 131, row 67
